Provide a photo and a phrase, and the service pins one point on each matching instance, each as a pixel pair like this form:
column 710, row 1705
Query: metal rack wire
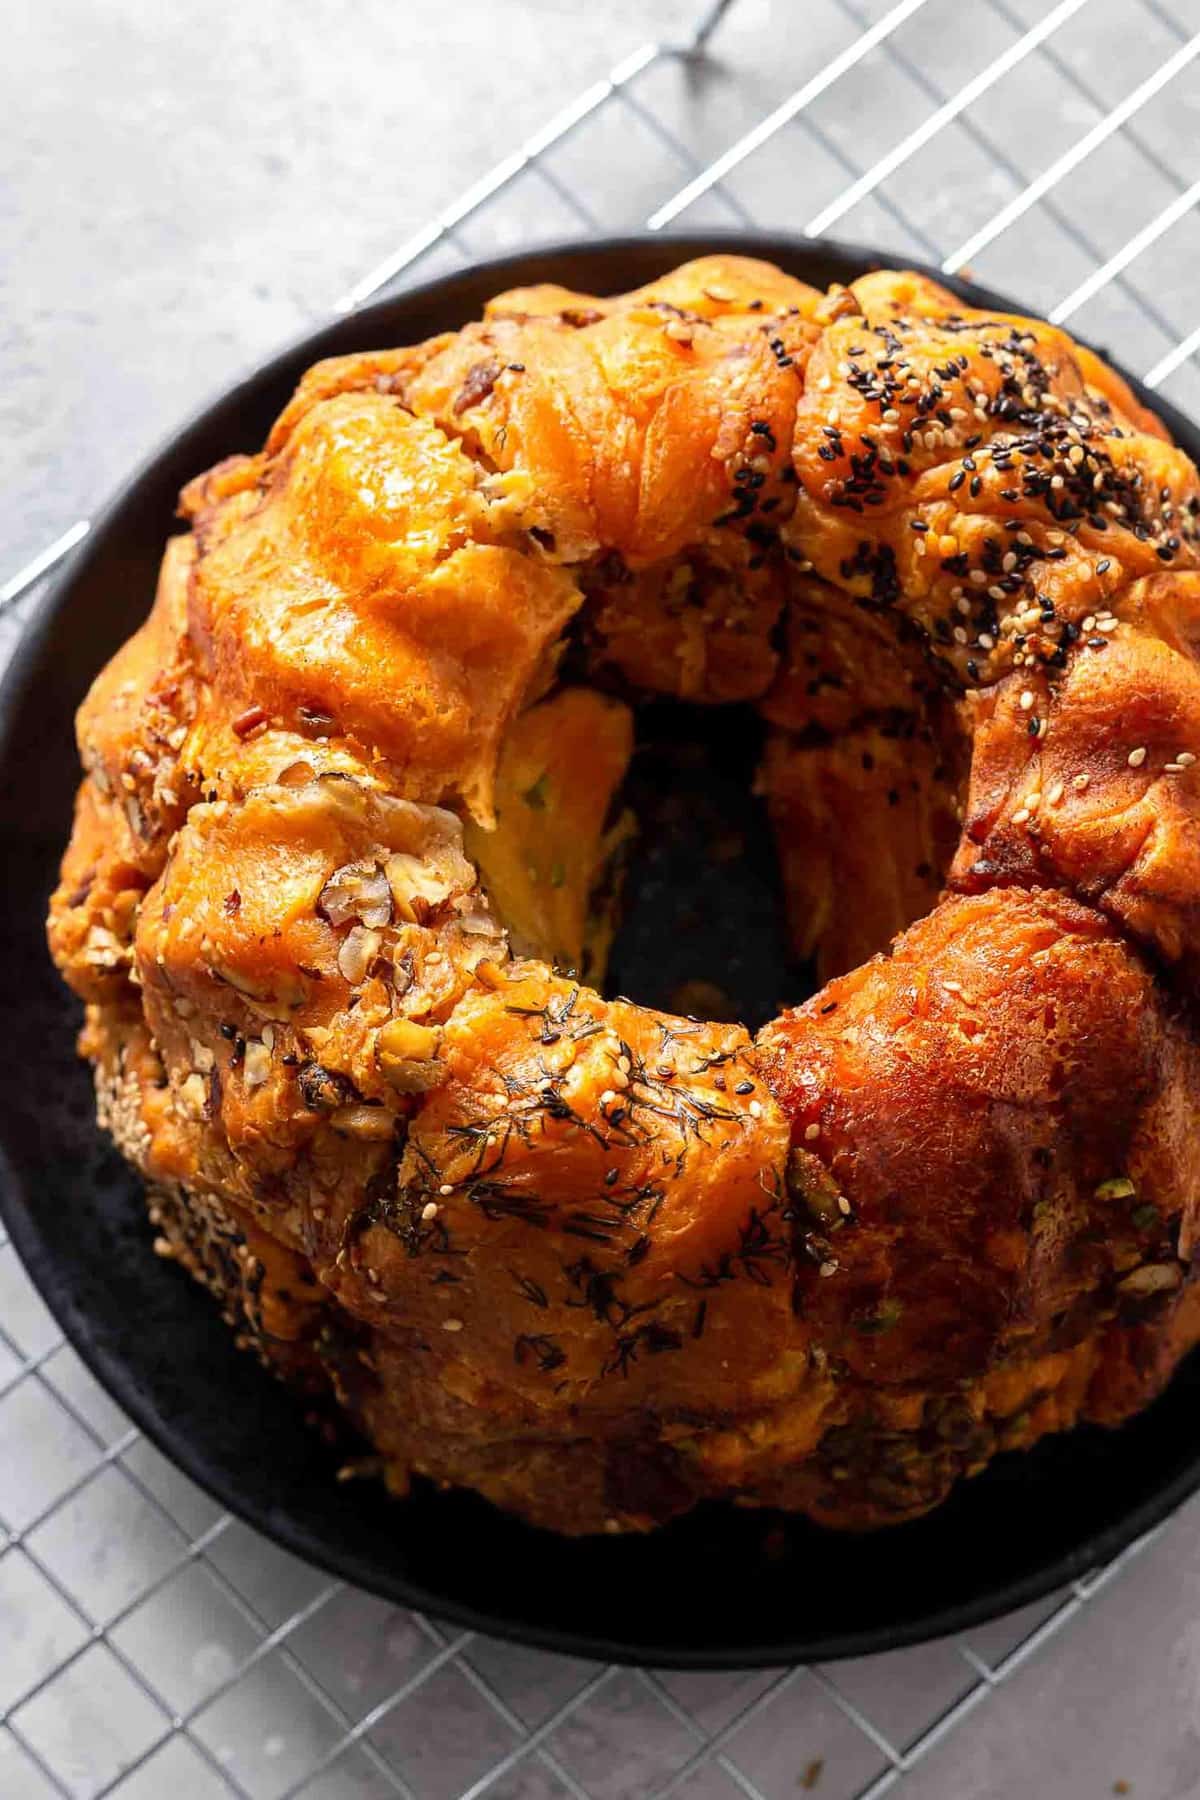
column 161, row 1646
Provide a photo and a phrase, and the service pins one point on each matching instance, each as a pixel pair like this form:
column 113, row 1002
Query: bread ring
column 338, row 897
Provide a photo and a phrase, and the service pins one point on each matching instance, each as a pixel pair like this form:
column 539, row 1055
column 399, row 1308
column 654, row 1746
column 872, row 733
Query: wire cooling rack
column 150, row 1644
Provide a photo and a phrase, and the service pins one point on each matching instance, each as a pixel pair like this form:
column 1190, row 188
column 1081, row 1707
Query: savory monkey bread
column 346, row 869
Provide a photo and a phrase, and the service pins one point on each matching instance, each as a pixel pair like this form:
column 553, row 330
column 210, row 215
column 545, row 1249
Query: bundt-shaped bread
column 340, row 889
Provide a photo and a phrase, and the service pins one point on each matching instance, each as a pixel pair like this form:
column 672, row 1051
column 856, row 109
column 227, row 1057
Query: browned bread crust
column 350, row 790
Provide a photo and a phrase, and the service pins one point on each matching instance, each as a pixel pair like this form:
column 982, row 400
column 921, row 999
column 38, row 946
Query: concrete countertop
column 182, row 190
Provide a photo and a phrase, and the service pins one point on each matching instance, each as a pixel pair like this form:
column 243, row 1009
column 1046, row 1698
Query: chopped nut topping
column 359, row 891
column 406, row 1054
column 415, row 887
column 1153, row 1278
column 194, row 1095
column 357, row 952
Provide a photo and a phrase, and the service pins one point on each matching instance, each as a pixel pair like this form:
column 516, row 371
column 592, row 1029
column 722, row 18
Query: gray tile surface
column 180, row 191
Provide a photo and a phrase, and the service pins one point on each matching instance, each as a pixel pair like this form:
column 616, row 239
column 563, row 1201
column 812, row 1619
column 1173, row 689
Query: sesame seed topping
column 811, row 1133
column 1186, row 758
column 1055, row 794
column 1080, row 783
column 1137, row 757
column 1026, row 700
column 452, row 1324
column 755, row 1109
column 429, row 1211
column 446, row 1188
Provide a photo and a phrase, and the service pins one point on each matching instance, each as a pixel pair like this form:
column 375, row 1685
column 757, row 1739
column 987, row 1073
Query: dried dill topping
column 546, row 1351
column 406, row 1212
column 653, row 1339
column 761, row 1246
column 531, row 1290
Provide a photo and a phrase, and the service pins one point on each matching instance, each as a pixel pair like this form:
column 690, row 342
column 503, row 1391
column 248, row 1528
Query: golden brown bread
column 333, row 897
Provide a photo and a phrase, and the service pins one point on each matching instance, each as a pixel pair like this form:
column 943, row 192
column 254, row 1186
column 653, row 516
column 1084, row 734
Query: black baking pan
column 723, row 1588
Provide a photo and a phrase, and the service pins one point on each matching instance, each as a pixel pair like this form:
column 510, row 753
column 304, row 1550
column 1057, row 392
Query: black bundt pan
column 724, row 1588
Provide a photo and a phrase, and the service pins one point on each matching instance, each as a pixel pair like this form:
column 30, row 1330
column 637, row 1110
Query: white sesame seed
column 1010, row 562
column 1080, row 783
column 1173, row 768
column 1055, row 794
column 1027, row 700
column 755, row 1109
column 995, row 592
column 812, row 1132
column 986, row 641
column 429, row 1211
column 978, row 578
column 1137, row 757
column 452, row 1324
column 1186, row 758
column 446, row 1188
column 960, row 635
column 828, row 1268
column 1021, row 816
column 1089, row 622
column 607, row 1097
